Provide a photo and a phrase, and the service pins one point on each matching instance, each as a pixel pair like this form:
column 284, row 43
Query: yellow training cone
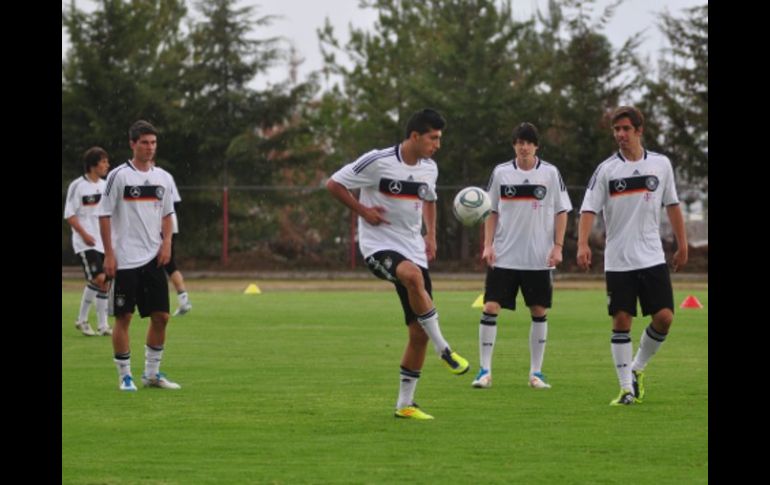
column 252, row 289
column 479, row 303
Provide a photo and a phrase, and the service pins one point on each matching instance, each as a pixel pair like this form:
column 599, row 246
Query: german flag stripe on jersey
column 633, row 185
column 522, row 192
column 139, row 193
column 91, row 199
column 403, row 189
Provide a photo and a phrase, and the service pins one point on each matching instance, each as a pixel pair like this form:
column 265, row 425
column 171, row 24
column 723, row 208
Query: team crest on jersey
column 509, row 191
column 422, row 191
column 394, row 187
column 539, row 192
column 620, row 185
column 159, row 191
column 651, row 183
column 135, row 192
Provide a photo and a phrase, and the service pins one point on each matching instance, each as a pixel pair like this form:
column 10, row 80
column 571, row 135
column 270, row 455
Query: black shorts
column 651, row 285
column 92, row 262
column 502, row 286
column 145, row 287
column 383, row 265
column 171, row 265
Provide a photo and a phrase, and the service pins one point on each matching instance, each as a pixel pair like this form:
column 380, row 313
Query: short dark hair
column 425, row 120
column 527, row 132
column 92, row 157
column 140, row 128
column 633, row 114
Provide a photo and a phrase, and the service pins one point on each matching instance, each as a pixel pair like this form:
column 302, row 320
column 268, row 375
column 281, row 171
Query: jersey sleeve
column 72, row 204
column 112, row 192
column 562, row 203
column 493, row 189
column 596, row 192
column 670, row 197
column 360, row 173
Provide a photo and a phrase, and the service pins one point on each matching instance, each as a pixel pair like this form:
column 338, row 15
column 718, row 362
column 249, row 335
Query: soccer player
column 630, row 188
column 137, row 208
column 398, row 194
column 523, row 241
column 80, row 211
column 171, row 270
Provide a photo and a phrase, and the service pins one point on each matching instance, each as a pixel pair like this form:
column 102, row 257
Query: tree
column 678, row 100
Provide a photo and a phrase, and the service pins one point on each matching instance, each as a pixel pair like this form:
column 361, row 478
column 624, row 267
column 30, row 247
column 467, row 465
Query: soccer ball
column 471, row 205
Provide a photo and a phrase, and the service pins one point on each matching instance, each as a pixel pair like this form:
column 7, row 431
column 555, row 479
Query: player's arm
column 105, row 229
column 584, row 231
column 372, row 215
column 490, row 224
column 429, row 219
column 677, row 225
column 74, row 222
column 559, row 229
column 164, row 253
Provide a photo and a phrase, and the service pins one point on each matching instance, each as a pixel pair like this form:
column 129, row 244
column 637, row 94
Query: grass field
column 299, row 387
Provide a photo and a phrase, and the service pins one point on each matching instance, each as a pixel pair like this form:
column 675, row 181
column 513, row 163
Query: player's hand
column 584, row 257
column 89, row 240
column 164, row 255
column 488, row 256
column 375, row 215
column 109, row 266
column 430, row 247
column 679, row 259
column 555, row 256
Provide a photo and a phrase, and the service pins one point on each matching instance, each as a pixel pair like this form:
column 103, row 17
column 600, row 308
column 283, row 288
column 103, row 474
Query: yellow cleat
column 412, row 412
column 457, row 364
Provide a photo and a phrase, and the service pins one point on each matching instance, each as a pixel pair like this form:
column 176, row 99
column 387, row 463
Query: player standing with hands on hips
column 398, row 194
column 630, row 188
column 137, row 209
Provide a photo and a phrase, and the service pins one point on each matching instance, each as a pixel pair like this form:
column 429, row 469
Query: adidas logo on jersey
column 636, row 172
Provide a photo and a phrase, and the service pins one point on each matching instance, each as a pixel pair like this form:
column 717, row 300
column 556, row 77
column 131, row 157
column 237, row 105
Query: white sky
column 301, row 18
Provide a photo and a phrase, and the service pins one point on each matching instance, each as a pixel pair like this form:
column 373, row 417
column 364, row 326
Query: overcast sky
column 301, row 18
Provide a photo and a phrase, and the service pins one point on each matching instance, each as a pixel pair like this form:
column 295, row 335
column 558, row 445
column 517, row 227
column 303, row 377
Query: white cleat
column 127, row 384
column 159, row 381
column 483, row 379
column 537, row 381
column 85, row 328
column 104, row 331
column 183, row 309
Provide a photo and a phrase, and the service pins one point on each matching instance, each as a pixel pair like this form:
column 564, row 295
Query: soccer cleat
column 127, row 383
column 85, row 328
column 638, row 382
column 412, row 412
column 538, row 381
column 457, row 365
column 483, row 379
column 184, row 308
column 159, row 381
column 104, row 331
column 625, row 398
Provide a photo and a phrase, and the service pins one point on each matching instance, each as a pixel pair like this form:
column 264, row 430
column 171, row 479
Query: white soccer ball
column 472, row 205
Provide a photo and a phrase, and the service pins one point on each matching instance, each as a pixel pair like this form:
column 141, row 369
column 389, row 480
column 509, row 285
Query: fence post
column 225, row 225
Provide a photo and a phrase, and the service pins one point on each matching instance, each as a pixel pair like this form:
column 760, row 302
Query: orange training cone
column 691, row 302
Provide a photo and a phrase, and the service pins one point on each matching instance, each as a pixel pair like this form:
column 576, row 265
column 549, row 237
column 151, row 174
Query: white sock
column 648, row 345
column 123, row 363
column 406, row 389
column 182, row 298
column 621, row 354
column 89, row 293
column 429, row 323
column 487, row 336
column 101, row 310
column 152, row 357
column 538, row 333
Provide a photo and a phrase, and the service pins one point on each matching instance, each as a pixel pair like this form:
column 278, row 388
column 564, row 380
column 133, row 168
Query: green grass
column 299, row 387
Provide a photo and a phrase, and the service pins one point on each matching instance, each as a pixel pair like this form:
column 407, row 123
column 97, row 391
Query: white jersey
column 386, row 181
column 631, row 195
column 175, row 197
column 83, row 197
column 136, row 201
column 526, row 202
